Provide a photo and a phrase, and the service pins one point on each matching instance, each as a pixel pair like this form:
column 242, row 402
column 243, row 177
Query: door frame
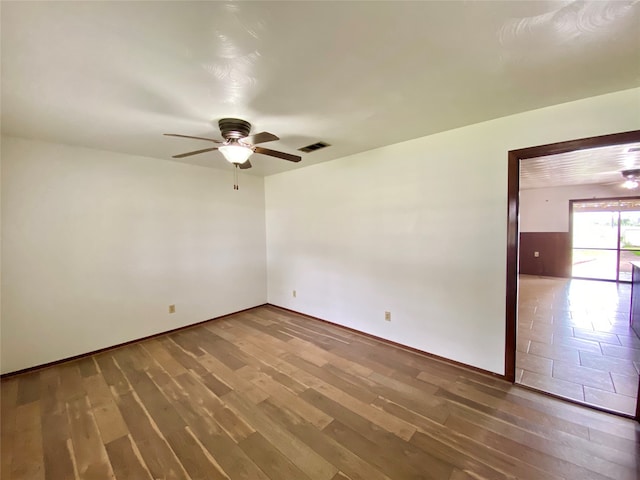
column 513, row 227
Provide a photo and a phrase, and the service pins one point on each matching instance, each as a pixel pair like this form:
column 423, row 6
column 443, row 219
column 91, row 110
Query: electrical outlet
column 536, row 254
column 294, row 294
column 387, row 316
column 172, row 309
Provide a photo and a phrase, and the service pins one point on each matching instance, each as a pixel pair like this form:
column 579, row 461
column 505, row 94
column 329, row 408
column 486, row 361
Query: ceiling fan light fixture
column 631, row 178
column 235, row 153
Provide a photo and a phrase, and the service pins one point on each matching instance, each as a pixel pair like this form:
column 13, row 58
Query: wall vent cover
column 313, row 147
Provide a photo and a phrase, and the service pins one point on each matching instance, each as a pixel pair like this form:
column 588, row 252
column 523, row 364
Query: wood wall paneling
column 554, row 250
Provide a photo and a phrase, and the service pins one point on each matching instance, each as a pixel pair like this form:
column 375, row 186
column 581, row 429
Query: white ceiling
column 599, row 166
column 358, row 75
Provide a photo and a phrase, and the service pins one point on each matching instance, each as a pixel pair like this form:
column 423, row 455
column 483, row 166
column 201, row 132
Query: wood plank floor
column 267, row 394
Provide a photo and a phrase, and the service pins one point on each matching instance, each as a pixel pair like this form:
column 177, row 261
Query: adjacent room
column 579, row 218
column 275, row 240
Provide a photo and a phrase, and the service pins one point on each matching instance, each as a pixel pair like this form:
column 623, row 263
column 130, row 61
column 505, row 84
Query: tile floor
column 574, row 340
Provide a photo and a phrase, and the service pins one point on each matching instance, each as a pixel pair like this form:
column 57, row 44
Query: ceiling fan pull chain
column 235, row 177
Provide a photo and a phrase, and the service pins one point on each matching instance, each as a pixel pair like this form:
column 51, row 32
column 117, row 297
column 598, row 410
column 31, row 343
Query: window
column 605, row 238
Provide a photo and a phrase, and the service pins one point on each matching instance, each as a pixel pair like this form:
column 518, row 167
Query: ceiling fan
column 238, row 145
column 631, row 178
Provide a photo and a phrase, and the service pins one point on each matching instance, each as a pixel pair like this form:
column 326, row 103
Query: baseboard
column 399, row 345
column 113, row 347
column 167, row 332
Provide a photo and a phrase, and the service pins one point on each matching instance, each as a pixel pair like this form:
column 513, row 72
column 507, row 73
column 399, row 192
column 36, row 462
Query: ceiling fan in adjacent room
column 631, row 178
column 238, row 145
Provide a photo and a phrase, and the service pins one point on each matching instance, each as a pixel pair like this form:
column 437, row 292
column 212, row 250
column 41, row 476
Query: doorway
column 605, row 236
column 515, row 159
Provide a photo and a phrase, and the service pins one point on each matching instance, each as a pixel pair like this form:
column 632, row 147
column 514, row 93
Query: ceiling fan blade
column 188, row 154
column 274, row 153
column 245, row 165
column 196, row 138
column 261, row 137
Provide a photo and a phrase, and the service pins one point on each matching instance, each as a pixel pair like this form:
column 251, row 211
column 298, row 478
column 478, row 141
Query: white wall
column 96, row 245
column 547, row 209
column 417, row 228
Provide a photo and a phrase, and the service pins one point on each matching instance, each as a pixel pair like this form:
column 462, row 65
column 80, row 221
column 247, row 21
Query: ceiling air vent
column 314, row 147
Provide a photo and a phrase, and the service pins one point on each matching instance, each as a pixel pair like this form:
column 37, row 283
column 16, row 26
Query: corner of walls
column 418, row 229
column 96, row 245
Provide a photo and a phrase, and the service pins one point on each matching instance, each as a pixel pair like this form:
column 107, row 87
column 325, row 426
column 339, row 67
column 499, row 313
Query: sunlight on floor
column 574, row 340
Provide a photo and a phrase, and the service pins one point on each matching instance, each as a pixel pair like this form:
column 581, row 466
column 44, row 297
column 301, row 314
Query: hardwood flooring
column 267, row 394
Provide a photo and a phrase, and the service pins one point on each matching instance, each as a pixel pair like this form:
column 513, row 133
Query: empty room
column 283, row 240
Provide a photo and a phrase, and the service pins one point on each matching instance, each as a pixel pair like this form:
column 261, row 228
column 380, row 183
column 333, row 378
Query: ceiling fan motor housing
column 631, row 174
column 234, row 128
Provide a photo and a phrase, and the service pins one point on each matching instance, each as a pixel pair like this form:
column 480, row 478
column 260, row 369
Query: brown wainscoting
column 554, row 249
